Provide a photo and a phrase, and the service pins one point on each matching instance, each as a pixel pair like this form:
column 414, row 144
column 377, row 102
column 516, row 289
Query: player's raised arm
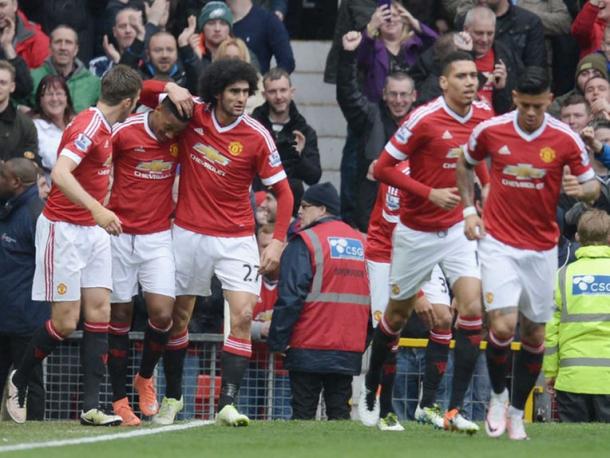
column 182, row 98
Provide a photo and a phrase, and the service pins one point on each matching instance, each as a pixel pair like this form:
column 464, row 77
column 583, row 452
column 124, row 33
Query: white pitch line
column 107, row 437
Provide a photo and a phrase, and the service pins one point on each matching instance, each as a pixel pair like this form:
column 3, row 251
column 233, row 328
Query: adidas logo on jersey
column 199, row 131
column 504, row 150
column 447, row 135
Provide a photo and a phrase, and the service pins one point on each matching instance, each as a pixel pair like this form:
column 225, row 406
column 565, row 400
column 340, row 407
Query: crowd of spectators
column 53, row 54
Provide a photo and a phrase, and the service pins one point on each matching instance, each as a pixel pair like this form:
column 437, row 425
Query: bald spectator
column 518, row 28
column 84, row 86
column 30, row 42
column 17, row 131
column 496, row 63
column 165, row 61
column 21, row 316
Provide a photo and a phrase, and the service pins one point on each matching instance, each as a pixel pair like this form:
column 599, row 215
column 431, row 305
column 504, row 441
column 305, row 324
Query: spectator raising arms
column 391, row 42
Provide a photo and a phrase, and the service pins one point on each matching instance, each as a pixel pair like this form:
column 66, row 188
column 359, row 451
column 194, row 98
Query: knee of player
column 65, row 325
column 120, row 314
column 242, row 319
column 396, row 319
column 444, row 319
column 502, row 329
column 161, row 320
column 470, row 309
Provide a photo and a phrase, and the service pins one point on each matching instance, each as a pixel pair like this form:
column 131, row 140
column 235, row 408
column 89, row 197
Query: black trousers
column 11, row 351
column 583, row 408
column 306, row 388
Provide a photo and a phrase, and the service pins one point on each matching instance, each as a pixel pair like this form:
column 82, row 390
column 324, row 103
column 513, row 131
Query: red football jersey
column 526, row 173
column 432, row 139
column 217, row 166
column 144, row 172
column 87, row 141
column 383, row 219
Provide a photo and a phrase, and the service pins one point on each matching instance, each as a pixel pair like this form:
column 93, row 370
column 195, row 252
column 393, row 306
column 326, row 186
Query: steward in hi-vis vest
column 322, row 314
column 577, row 340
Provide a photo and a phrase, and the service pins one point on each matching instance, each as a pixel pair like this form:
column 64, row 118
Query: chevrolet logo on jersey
column 211, row 154
column 524, row 172
column 343, row 248
column 155, row 166
column 591, row 285
column 454, row 153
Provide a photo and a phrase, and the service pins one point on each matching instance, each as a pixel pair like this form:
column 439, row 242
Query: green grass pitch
column 300, row 439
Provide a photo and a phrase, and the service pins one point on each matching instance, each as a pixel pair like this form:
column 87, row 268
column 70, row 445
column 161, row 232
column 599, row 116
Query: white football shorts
column 435, row 290
column 415, row 253
column 70, row 257
column 234, row 260
column 515, row 277
column 147, row 259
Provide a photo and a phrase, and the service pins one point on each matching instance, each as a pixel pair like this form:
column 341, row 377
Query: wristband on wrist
column 469, row 211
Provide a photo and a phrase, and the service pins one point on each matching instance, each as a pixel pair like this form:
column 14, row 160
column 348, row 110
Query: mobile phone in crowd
column 387, row 3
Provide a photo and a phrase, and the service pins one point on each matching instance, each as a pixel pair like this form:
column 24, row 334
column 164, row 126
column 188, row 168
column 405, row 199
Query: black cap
column 324, row 194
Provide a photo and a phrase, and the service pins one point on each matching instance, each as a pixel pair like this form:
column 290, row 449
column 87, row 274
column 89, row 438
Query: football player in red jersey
column 437, row 317
column 223, row 149
column 529, row 152
column 145, row 160
column 430, row 229
column 73, row 263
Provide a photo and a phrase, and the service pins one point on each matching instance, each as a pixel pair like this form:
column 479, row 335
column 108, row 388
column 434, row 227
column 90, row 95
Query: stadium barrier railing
column 265, row 392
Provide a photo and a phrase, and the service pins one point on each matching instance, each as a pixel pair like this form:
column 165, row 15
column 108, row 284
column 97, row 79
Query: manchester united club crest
column 377, row 316
column 174, row 149
column 62, row 289
column 395, row 289
column 547, row 155
column 235, row 148
column 489, row 297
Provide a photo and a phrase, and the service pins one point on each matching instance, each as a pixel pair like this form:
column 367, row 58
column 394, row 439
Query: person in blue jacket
column 20, row 315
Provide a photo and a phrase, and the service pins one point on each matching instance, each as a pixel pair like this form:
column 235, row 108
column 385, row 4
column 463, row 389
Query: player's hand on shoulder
column 446, row 198
column 181, row 97
column 270, row 257
column 107, row 220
